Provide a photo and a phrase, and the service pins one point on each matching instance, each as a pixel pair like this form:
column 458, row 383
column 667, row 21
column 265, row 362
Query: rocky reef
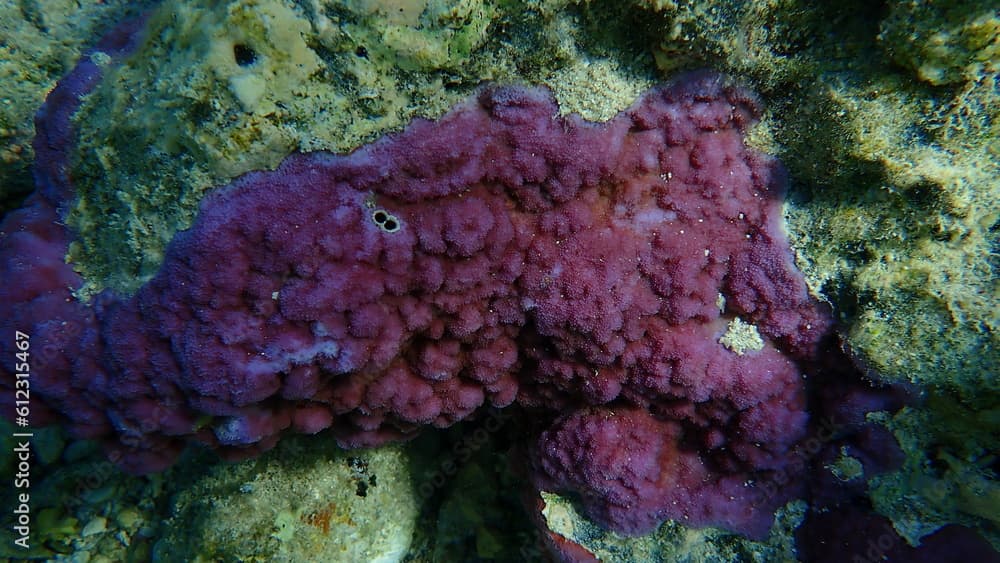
column 885, row 116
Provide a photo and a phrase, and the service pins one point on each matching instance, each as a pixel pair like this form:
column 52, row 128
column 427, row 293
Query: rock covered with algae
column 302, row 504
column 39, row 43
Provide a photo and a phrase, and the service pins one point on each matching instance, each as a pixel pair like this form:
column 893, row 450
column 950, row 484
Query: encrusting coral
column 537, row 259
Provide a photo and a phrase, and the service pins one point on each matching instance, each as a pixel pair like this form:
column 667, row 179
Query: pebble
column 97, row 525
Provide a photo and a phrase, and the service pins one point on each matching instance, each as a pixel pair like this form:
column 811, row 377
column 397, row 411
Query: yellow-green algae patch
column 673, row 541
column 846, row 467
column 305, row 500
column 948, row 475
column 302, row 505
column 911, row 260
column 944, row 42
column 82, row 506
column 741, row 337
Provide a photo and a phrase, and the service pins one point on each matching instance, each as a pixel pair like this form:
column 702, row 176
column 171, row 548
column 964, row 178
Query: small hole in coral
column 244, row 54
column 385, row 220
column 361, row 51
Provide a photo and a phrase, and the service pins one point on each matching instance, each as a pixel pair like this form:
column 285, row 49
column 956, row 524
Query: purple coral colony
column 500, row 256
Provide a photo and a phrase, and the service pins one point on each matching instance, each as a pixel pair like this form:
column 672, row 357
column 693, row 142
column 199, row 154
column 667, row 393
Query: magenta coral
column 498, row 255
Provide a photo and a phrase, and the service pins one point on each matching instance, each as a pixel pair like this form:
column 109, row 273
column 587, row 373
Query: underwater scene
column 500, row 281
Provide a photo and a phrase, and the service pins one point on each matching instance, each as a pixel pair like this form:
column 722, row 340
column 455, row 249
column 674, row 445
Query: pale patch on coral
column 741, row 337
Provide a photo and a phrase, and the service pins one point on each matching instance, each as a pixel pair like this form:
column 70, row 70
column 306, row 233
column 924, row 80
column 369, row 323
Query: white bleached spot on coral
column 652, row 217
column 320, row 348
column 277, row 360
column 741, row 337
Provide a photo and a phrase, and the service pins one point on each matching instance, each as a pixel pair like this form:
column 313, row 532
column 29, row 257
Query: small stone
column 97, row 525
column 128, row 518
column 100, row 494
column 48, row 444
column 80, row 450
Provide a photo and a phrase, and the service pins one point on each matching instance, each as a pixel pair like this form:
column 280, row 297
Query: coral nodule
column 501, row 255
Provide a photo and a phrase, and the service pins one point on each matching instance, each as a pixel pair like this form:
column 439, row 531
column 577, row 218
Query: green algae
column 481, row 515
column 846, row 467
column 81, row 505
column 908, row 250
column 304, row 501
